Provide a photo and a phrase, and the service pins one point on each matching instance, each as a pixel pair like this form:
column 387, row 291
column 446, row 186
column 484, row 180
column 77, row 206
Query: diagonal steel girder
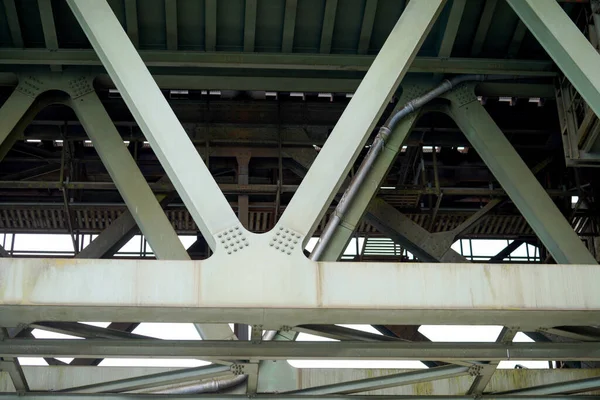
column 516, row 178
column 141, row 202
column 349, row 135
column 13, row 124
column 357, row 122
column 127, row 176
column 334, row 249
column 565, row 43
column 78, row 93
column 13, row 110
column 168, row 139
column 158, row 122
column 386, row 381
column 401, row 229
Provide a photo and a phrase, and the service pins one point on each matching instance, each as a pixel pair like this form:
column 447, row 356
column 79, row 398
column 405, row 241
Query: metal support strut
column 374, row 151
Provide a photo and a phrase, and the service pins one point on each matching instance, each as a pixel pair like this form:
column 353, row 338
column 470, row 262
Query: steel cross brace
column 79, row 94
column 512, row 173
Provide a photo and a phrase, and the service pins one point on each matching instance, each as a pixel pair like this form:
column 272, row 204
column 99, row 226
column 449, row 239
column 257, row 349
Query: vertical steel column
column 162, row 129
column 336, row 246
column 564, row 42
column 515, row 177
column 12, row 366
column 130, row 182
column 359, row 118
column 243, row 160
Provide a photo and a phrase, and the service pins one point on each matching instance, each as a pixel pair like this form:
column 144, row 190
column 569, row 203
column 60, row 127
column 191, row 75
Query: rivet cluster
column 30, row 86
column 237, row 369
column 475, row 370
column 285, row 240
column 233, row 240
column 80, row 86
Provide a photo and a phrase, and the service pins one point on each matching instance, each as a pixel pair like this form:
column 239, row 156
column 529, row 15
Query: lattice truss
column 266, row 281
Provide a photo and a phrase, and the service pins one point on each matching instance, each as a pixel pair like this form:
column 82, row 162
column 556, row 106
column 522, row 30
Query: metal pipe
column 215, row 385
column 211, row 386
column 375, row 150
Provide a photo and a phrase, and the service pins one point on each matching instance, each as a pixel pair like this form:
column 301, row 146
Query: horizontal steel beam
column 61, row 396
column 227, row 188
column 271, row 61
column 529, row 296
column 234, row 188
column 273, row 350
column 291, row 84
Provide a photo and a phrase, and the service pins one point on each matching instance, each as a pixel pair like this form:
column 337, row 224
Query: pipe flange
column 285, row 240
column 233, row 239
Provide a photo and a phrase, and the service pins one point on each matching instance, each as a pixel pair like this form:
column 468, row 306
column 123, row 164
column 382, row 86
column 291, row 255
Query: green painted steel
column 515, row 177
column 362, row 29
column 13, row 110
column 386, row 381
column 352, row 130
column 154, row 380
column 424, row 245
column 264, row 62
column 128, row 178
column 564, row 42
column 274, row 350
column 334, row 250
column 162, row 129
